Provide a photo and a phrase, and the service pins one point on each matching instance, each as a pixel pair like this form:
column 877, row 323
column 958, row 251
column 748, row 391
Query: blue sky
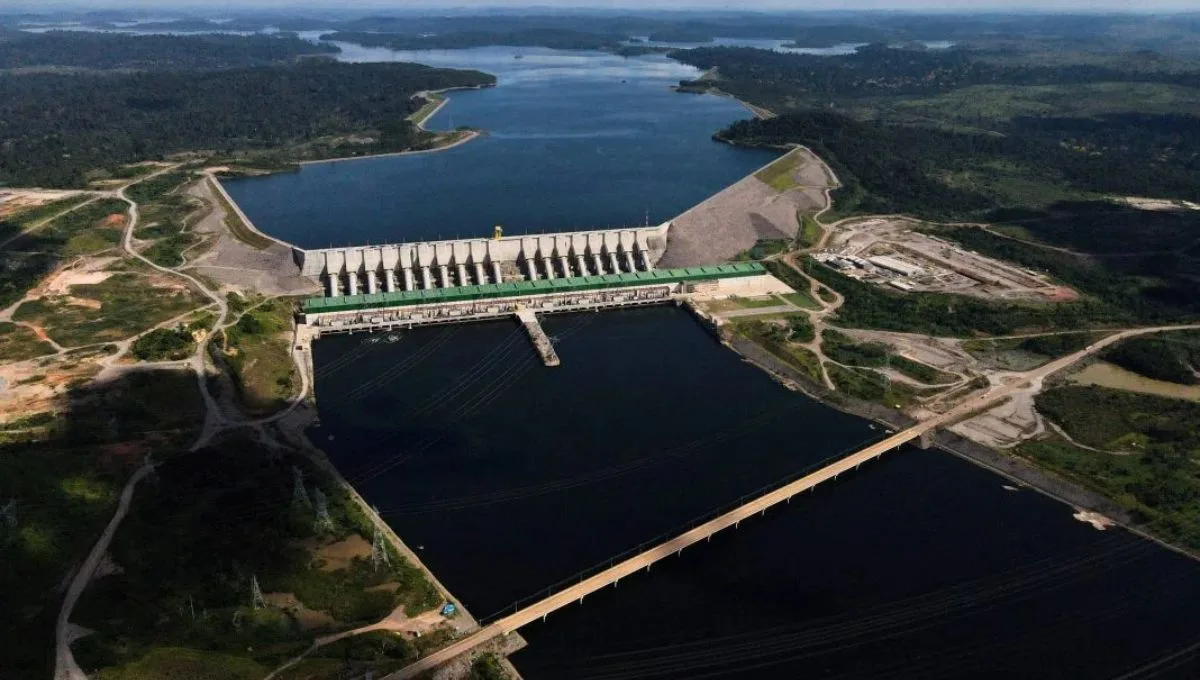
column 935, row 5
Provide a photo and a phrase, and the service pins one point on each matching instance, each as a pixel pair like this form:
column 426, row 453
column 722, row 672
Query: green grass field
column 774, row 339
column 810, row 231
column 802, row 299
column 128, row 305
column 780, row 175
column 434, row 100
column 261, row 356
column 18, row 343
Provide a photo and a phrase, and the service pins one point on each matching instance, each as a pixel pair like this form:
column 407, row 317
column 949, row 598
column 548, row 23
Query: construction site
column 892, row 252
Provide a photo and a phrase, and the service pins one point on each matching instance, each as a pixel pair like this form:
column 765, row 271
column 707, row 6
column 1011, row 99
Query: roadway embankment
column 1010, row 466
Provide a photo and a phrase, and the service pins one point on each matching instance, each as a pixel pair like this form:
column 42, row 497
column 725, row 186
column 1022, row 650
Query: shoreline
column 1009, row 466
column 471, row 134
column 237, row 209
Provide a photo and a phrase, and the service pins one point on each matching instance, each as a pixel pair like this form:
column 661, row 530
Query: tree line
column 55, row 129
column 87, row 50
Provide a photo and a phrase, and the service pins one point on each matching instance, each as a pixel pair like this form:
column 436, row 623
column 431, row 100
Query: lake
column 574, row 140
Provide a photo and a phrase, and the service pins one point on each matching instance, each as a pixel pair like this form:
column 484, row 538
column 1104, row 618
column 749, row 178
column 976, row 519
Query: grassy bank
column 236, row 225
column 258, row 350
column 1159, row 481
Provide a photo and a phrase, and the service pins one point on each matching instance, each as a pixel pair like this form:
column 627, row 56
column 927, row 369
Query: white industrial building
column 892, row 264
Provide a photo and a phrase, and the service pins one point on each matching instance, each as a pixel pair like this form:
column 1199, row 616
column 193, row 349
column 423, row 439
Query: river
column 508, row 477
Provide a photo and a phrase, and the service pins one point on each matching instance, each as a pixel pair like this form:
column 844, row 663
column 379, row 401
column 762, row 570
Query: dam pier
column 399, row 287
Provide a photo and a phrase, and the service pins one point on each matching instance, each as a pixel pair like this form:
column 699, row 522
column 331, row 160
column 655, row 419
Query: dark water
column 575, row 140
column 916, row 566
column 523, row 475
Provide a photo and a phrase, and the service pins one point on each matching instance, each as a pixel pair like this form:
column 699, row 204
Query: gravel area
column 734, row 219
column 235, row 265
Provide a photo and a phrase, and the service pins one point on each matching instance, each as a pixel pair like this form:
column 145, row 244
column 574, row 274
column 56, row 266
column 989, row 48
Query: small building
column 895, row 265
column 902, row 285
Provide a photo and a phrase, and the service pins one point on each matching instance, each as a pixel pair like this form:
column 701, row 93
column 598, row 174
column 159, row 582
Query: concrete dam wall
column 445, row 264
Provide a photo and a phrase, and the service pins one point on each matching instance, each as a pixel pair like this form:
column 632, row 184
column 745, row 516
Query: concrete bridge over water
column 921, row 432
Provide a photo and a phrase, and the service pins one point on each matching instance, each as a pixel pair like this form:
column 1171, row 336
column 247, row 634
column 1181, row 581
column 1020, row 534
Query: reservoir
column 508, row 477
column 574, row 141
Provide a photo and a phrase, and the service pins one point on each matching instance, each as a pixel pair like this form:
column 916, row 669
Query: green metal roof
column 519, row 288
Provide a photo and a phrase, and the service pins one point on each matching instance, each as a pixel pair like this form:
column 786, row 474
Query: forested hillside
column 782, row 80
column 54, row 129
column 82, row 50
column 942, row 174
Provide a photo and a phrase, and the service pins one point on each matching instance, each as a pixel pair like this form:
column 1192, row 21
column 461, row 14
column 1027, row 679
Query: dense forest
column 892, row 168
column 54, row 128
column 774, row 79
column 81, row 50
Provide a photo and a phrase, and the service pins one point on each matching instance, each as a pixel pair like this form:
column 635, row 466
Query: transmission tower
column 299, row 495
column 379, row 553
column 256, row 596
column 323, row 522
column 9, row 514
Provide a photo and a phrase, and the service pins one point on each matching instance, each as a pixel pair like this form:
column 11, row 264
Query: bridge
column 610, row 576
column 921, row 431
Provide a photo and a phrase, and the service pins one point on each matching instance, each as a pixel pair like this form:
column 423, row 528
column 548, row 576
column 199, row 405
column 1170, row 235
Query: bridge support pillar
column 409, row 283
column 372, row 282
column 531, row 268
column 352, row 283
column 480, row 277
column 444, row 276
column 581, row 264
column 496, row 276
column 425, row 282
column 564, row 265
column 925, row 441
column 548, row 264
column 462, row 274
column 389, row 280
column 613, row 267
column 630, row 264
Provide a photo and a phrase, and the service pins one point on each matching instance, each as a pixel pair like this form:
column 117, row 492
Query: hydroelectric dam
column 400, row 286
